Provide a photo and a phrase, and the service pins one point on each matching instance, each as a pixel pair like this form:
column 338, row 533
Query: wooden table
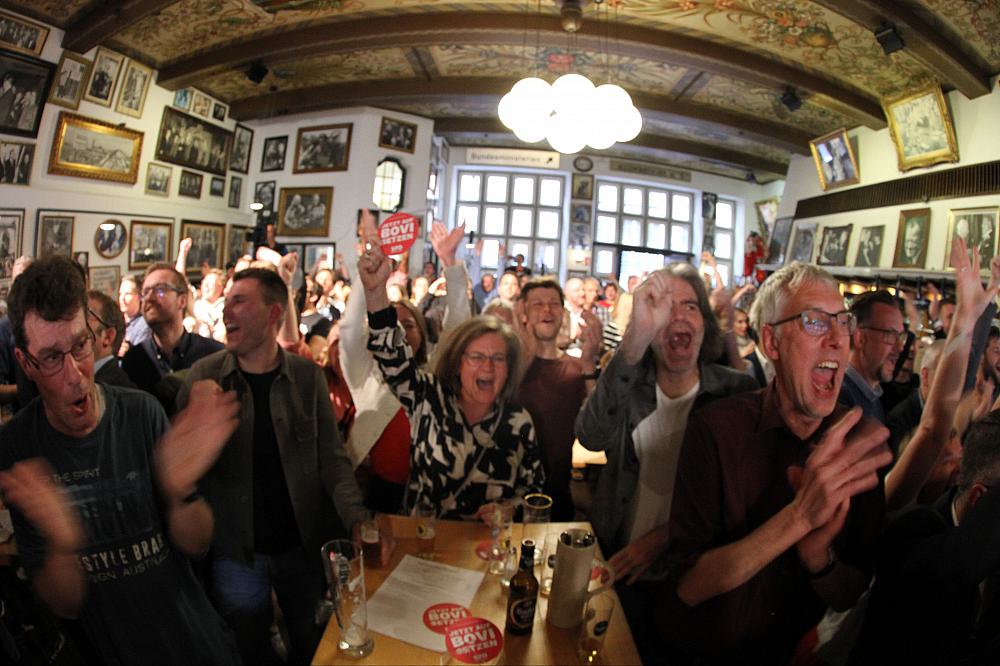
column 456, row 545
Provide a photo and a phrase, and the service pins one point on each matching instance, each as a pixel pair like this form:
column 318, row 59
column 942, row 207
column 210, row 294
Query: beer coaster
column 438, row 617
column 483, row 549
column 474, row 640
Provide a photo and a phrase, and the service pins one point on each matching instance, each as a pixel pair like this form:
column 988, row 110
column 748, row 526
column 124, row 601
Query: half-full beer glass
column 345, row 577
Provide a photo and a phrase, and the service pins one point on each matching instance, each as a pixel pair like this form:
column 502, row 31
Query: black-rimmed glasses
column 160, row 290
column 52, row 361
column 818, row 323
column 887, row 335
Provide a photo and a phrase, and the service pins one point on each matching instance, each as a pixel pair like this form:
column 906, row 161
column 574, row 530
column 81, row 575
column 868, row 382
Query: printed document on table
column 397, row 608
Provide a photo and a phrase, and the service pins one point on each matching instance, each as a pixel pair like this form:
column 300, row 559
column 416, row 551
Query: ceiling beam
column 509, row 28
column 925, row 43
column 108, row 19
column 645, row 140
column 396, row 92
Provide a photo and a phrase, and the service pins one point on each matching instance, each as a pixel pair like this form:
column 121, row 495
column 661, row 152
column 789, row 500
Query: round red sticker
column 398, row 232
column 474, row 640
column 439, row 616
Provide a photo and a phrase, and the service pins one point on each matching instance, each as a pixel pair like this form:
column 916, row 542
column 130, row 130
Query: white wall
column 977, row 130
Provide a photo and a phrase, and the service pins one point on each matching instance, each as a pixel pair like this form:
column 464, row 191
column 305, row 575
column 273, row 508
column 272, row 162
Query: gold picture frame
column 104, row 75
column 836, row 164
column 85, row 147
column 979, row 228
column 304, row 211
column 922, row 130
column 22, row 35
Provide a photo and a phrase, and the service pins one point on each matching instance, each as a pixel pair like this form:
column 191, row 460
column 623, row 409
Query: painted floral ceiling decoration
column 707, row 75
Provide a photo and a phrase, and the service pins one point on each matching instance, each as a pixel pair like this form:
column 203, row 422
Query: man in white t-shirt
column 637, row 415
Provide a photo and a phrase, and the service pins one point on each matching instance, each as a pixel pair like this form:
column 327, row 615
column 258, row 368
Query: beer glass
column 371, row 546
column 500, row 530
column 537, row 514
column 345, row 578
column 595, row 627
column 426, row 516
column 548, row 564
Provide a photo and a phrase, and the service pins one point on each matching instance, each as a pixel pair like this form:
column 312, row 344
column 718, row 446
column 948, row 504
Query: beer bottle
column 523, row 593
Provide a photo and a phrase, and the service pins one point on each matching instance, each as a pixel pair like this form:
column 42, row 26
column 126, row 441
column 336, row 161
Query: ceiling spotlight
column 889, row 38
column 256, row 72
column 571, row 15
column 790, row 99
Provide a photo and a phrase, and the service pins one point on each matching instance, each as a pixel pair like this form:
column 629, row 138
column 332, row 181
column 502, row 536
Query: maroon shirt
column 731, row 479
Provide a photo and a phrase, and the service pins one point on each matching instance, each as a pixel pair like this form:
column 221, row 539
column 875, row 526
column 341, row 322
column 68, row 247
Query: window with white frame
column 725, row 237
column 639, row 228
column 519, row 212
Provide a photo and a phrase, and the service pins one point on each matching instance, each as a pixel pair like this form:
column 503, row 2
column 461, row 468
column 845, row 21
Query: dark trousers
column 243, row 594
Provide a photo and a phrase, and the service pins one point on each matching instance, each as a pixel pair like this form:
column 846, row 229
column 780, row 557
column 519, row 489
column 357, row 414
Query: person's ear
column 26, row 366
column 769, row 342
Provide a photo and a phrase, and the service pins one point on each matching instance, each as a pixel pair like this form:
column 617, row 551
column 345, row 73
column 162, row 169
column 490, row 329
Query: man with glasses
column 102, row 489
column 170, row 348
column 876, row 345
column 108, row 326
column 778, row 503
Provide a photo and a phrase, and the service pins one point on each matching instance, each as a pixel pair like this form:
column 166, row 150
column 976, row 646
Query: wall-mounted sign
column 539, row 159
column 655, row 170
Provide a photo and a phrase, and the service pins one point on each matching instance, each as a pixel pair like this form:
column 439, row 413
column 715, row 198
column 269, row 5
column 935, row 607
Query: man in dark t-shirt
column 102, row 494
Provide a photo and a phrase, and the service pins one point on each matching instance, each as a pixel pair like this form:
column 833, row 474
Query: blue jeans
column 243, row 594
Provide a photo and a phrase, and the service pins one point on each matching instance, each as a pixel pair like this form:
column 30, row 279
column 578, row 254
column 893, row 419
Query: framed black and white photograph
column 182, row 98
column 263, row 193
column 833, row 246
column 239, row 156
column 135, row 85
column 978, row 226
column 109, row 240
column 18, row 34
column 11, row 228
column 922, row 129
column 217, row 186
column 201, row 104
column 104, row 76
column 237, row 243
column 911, row 238
column 54, row 235
column 89, row 148
column 190, row 185
column 24, row 87
column 398, row 135
column 105, row 279
column 193, row 143
column 870, row 246
column 583, row 186
column 148, row 243
column 836, row 165
column 83, row 258
column 235, row 191
column 273, row 157
column 319, row 255
column 16, row 160
column 158, row 179
column 71, row 76
column 304, row 211
column 207, row 240
column 581, row 213
column 219, row 112
column 803, row 242
column 778, row 242
column 322, row 148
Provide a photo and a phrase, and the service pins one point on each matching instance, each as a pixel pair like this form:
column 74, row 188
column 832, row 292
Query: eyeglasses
column 819, row 322
column 99, row 320
column 476, row 359
column 53, row 360
column 887, row 335
column 160, row 290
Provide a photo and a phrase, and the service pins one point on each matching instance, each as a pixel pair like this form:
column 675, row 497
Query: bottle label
column 522, row 612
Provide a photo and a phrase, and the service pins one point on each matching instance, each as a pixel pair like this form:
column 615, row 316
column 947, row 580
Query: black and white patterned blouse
column 454, row 466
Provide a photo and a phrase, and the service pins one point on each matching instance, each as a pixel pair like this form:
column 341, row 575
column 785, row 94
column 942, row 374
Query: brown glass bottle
column 523, row 593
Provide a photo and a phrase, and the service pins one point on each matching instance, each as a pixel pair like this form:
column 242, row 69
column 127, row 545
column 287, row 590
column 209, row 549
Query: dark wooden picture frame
column 30, row 79
column 148, row 243
column 911, row 238
column 323, row 148
column 193, row 143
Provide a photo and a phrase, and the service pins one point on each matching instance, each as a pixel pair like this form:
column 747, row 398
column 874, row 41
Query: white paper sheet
column 397, row 608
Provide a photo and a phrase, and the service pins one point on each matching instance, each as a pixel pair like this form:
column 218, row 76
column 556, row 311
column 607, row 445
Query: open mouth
column 484, row 384
column 824, row 375
column 679, row 341
column 79, row 407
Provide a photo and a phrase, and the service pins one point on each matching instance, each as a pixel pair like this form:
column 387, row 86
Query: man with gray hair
column 777, row 504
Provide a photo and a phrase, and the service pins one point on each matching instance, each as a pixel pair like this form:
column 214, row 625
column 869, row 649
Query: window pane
column 632, row 201
column 493, row 221
column 469, row 216
column 657, row 204
column 680, row 238
column 515, row 248
column 491, row 253
column 496, row 189
column 724, row 215
column 723, row 246
column 656, row 235
column 681, row 204
column 548, row 224
column 607, row 229
column 637, row 263
column 520, row 222
column 724, row 272
column 468, row 188
column 605, row 261
column 547, row 255
column 607, row 197
column 524, row 190
column 631, row 231
column 550, row 192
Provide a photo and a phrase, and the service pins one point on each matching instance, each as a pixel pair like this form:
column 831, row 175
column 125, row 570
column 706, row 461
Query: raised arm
column 456, row 301
column 182, row 253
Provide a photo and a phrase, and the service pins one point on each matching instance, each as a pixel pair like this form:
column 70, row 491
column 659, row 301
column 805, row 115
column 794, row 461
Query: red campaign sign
column 438, row 617
column 474, row 640
column 398, row 232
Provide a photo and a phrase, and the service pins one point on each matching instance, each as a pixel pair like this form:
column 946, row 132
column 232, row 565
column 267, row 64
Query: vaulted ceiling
column 707, row 75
